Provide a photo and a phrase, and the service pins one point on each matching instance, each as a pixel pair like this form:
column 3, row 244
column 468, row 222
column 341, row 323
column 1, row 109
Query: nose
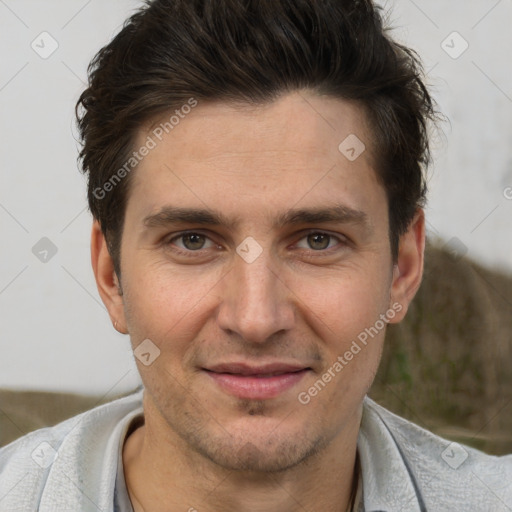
column 256, row 304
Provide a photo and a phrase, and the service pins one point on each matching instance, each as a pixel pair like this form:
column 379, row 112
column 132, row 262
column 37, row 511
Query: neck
column 162, row 473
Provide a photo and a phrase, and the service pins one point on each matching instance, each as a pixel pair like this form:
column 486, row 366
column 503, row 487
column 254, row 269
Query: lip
column 256, row 382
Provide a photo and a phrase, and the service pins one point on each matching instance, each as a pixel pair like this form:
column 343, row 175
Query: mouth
column 256, row 382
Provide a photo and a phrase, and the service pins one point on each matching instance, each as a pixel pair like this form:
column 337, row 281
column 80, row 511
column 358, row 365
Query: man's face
column 271, row 289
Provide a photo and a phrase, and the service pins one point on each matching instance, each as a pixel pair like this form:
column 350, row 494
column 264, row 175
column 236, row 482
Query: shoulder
column 36, row 469
column 442, row 474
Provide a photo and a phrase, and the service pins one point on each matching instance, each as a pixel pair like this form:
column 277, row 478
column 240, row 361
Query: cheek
column 161, row 302
column 345, row 304
column 346, row 317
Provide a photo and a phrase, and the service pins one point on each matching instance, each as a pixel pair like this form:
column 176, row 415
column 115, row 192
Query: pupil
column 318, row 241
column 193, row 241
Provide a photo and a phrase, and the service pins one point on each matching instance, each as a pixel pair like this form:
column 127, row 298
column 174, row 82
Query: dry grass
column 447, row 367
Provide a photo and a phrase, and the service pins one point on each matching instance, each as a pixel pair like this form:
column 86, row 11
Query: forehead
column 302, row 122
column 300, row 150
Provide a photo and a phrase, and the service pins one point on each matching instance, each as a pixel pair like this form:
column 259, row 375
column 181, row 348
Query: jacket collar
column 388, row 481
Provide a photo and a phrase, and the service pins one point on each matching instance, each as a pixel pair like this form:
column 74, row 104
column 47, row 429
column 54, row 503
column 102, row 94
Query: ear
column 408, row 270
column 107, row 281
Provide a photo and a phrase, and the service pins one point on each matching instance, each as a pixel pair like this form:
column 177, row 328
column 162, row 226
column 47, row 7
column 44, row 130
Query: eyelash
column 342, row 241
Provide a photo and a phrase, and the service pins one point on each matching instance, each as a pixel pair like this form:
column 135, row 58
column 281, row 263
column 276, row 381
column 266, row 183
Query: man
column 256, row 180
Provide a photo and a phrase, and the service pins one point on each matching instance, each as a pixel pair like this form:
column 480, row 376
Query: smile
column 254, row 384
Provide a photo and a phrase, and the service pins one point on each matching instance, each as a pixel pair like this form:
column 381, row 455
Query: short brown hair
column 253, row 51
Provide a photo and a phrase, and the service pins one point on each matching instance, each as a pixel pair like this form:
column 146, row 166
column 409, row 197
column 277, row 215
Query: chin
column 258, row 446
column 260, row 459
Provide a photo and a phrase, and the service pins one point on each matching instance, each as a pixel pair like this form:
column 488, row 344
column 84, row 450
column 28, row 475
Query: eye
column 320, row 241
column 191, row 241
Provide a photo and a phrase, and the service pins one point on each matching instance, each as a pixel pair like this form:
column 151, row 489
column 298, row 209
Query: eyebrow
column 336, row 214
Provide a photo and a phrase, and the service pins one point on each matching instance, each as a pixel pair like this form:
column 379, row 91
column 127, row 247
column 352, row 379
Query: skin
column 302, row 300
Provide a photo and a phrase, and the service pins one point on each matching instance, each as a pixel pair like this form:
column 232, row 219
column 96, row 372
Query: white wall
column 472, row 175
column 54, row 331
